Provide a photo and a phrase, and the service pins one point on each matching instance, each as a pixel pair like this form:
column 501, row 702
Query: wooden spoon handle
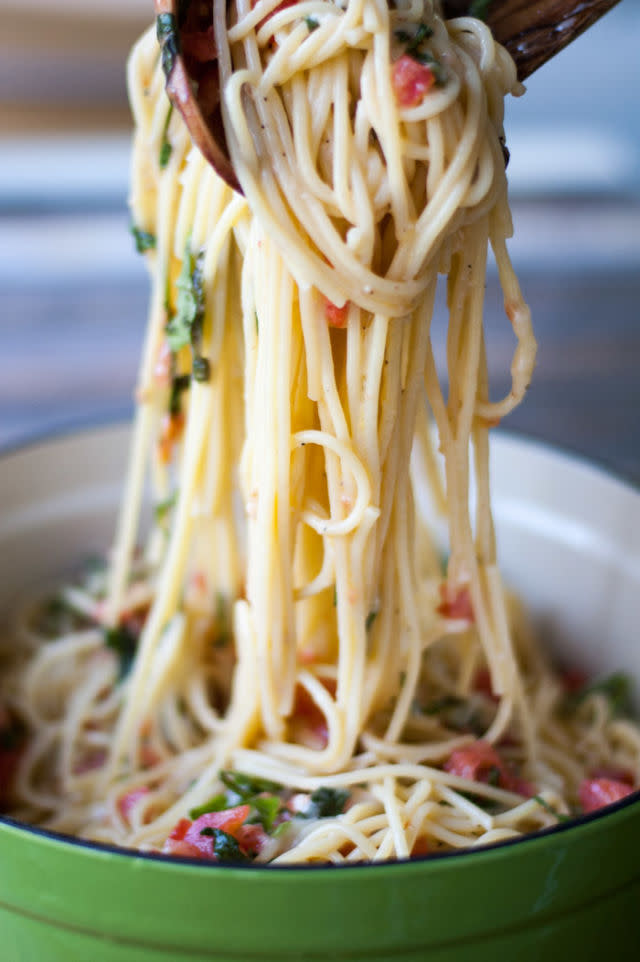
column 535, row 32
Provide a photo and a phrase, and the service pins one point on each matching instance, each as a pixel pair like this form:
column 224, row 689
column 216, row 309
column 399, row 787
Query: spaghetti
column 286, row 673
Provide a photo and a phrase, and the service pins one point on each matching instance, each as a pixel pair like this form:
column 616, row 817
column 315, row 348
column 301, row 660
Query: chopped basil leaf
column 121, row 641
column 479, row 9
column 552, row 811
column 312, row 24
column 493, row 776
column 165, row 26
column 225, row 846
column 371, row 617
column 436, row 68
column 55, row 617
column 245, row 787
column 616, row 689
column 167, row 34
column 326, row 803
column 412, row 41
column 201, row 369
column 163, row 508
column 179, row 383
column 144, row 241
column 265, row 809
column 185, row 327
column 441, row 704
column 216, row 804
column 165, row 146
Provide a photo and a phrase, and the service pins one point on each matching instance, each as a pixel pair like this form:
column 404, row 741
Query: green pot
column 570, row 540
column 568, row 894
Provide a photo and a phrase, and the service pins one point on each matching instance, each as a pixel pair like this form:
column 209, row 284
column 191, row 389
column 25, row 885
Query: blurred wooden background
column 73, row 292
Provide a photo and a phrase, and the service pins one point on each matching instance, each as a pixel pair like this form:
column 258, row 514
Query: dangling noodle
column 290, row 616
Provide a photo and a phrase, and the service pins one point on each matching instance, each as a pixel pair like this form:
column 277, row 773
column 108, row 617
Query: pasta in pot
column 286, row 673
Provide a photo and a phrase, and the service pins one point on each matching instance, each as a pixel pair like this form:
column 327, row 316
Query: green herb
column 167, row 34
column 326, row 803
column 371, row 617
column 225, row 846
column 616, row 689
column 265, row 810
column 144, row 241
column 412, row 41
column 441, row 704
column 201, row 369
column 55, row 617
column 179, row 383
column 312, row 24
column 552, row 811
column 461, row 714
column 245, row 787
column 479, row 9
column 255, row 314
column 493, row 776
column 124, row 643
column 280, row 829
column 165, row 146
column 185, row 327
column 163, row 508
column 216, row 804
column 165, row 26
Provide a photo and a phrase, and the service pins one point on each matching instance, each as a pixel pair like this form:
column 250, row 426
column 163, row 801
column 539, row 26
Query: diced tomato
column 455, row 603
column 251, row 838
column 573, row 679
column 336, row 316
column 482, row 684
column 176, row 844
column 229, row 821
column 420, row 847
column 411, row 80
column 307, row 716
column 130, row 800
column 12, row 744
column 617, row 774
column 480, row 762
column 170, row 432
column 9, row 760
column 281, row 6
column 595, row 793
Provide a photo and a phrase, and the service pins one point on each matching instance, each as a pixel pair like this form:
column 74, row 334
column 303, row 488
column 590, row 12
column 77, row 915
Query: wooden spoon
column 531, row 32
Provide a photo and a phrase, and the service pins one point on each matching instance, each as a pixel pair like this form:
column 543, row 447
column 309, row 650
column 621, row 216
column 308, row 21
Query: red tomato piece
column 480, row 762
column 420, row 847
column 251, row 838
column 170, row 433
column 595, row 793
column 482, row 684
column 456, row 603
column 411, row 80
column 229, row 821
column 130, row 800
column 573, row 679
column 617, row 774
column 475, row 762
column 311, row 720
column 176, row 845
column 336, row 316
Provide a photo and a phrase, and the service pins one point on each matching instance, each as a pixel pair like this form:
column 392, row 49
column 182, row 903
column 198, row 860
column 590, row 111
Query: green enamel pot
column 569, row 540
